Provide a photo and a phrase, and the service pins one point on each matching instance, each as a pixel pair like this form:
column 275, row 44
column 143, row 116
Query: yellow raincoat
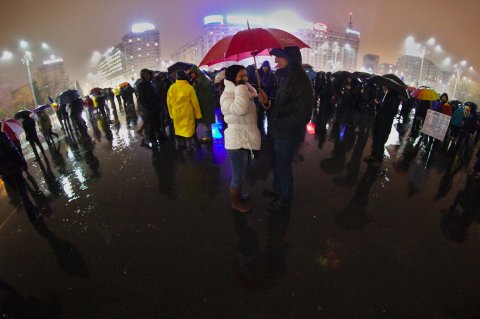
column 183, row 107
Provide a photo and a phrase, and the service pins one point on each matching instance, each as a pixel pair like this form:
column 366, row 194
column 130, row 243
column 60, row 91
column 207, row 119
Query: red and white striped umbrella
column 12, row 126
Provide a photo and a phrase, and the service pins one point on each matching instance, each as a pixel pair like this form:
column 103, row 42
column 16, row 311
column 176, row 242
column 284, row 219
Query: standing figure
column 184, row 109
column 151, row 109
column 31, row 136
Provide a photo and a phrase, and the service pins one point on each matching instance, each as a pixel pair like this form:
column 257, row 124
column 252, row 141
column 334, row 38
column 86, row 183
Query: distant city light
column 352, row 31
column 463, row 63
column 44, row 45
column 6, row 55
column 23, row 44
column 213, row 19
column 52, row 60
column 447, row 61
column 431, row 41
column 142, row 27
column 438, row 48
column 320, row 26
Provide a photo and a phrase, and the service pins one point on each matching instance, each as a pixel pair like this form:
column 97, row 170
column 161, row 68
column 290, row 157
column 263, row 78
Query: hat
column 292, row 54
column 232, row 71
column 265, row 64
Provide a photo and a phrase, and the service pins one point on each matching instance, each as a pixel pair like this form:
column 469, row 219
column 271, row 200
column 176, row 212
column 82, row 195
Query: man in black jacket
column 151, row 107
column 12, row 164
column 31, row 136
column 291, row 110
column 387, row 109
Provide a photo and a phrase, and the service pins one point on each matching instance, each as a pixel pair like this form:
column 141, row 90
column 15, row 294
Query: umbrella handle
column 256, row 72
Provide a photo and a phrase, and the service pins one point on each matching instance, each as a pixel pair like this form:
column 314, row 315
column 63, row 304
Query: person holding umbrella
column 184, row 109
column 242, row 135
column 387, row 109
column 31, row 136
column 291, row 110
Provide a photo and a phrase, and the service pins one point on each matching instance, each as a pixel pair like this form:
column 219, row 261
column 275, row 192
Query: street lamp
column 27, row 59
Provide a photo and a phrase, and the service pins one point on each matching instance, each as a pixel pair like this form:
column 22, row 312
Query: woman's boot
column 236, row 203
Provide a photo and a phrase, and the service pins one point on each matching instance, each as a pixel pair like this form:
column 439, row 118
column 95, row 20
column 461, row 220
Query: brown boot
column 236, row 203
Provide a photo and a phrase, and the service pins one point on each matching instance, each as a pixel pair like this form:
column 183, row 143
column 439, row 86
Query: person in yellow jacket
column 184, row 109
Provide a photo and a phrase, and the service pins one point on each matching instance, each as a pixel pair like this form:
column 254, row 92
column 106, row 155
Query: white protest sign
column 436, row 124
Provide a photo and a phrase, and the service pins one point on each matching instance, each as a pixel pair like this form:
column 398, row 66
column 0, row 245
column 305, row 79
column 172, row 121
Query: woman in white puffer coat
column 242, row 135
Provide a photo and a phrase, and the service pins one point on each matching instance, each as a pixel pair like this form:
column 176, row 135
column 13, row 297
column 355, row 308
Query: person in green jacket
column 204, row 90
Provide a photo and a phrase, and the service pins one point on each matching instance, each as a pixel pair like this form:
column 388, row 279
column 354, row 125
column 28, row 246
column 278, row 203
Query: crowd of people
column 172, row 106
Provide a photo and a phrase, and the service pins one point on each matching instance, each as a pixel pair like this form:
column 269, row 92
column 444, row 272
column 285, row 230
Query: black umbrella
column 179, row 66
column 362, row 75
column 396, row 79
column 394, row 85
column 68, row 96
column 342, row 75
column 23, row 114
column 41, row 107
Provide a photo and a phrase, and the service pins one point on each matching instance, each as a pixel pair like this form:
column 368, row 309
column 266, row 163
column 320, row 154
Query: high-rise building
column 112, row 67
column 386, row 68
column 371, row 62
column 141, row 48
column 329, row 49
column 51, row 79
column 22, row 97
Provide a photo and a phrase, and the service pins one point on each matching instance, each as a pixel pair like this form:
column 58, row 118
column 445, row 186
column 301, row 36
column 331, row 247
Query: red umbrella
column 250, row 43
column 96, row 91
column 12, row 128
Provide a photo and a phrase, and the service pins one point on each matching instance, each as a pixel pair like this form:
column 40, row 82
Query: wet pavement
column 132, row 233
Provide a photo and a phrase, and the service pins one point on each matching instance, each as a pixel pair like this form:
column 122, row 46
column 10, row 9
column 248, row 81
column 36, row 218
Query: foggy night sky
column 74, row 29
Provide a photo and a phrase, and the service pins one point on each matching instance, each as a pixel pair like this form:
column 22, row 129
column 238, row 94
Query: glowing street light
column 6, row 55
column 45, row 46
column 459, row 68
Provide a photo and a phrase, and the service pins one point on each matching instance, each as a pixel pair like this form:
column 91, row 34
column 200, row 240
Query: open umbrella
column 396, row 79
column 425, row 94
column 362, row 75
column 411, row 88
column 394, row 85
column 96, row 91
column 11, row 126
column 342, row 75
column 68, row 96
column 250, row 43
column 312, row 75
column 178, row 66
column 41, row 107
column 124, row 84
column 23, row 114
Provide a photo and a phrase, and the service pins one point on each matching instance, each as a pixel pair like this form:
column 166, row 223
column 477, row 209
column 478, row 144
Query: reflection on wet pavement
column 135, row 233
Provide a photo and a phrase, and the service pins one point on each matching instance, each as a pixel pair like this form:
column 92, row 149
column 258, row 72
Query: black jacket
column 292, row 106
column 389, row 107
column 30, row 129
column 11, row 161
column 148, row 98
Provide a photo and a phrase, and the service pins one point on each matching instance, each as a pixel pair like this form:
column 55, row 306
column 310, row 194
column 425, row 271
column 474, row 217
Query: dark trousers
column 34, row 140
column 153, row 126
column 283, row 150
column 381, row 131
column 17, row 182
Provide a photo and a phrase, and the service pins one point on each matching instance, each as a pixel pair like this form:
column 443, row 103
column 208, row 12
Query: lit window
column 156, row 44
column 139, row 49
column 148, row 44
column 129, row 40
column 131, row 57
column 138, row 39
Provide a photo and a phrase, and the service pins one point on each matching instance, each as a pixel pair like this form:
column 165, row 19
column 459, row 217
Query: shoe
column 237, row 205
column 278, row 207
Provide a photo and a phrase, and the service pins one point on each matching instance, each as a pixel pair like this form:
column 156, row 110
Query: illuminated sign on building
column 353, row 32
column 213, row 19
column 320, row 27
column 142, row 27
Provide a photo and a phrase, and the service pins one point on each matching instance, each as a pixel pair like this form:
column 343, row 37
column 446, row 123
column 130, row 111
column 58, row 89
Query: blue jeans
column 283, row 149
column 239, row 161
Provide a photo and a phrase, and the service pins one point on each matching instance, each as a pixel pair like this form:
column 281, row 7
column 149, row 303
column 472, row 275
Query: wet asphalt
column 131, row 233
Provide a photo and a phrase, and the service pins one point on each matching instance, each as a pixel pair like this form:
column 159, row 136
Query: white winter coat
column 240, row 113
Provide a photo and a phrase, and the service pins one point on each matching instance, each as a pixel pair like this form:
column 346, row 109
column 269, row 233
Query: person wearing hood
column 151, row 108
column 184, row 109
column 291, row 110
column 204, row 91
column 387, row 109
column 242, row 135
column 129, row 105
column 443, row 106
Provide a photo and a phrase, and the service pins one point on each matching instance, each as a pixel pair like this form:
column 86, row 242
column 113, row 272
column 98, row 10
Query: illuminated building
column 387, row 68
column 141, row 48
column 112, row 67
column 51, row 79
column 370, row 63
column 330, row 49
column 409, row 67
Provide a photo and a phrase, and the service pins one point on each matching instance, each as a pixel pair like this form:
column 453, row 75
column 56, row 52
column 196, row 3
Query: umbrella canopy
column 472, row 105
column 362, row 75
column 179, row 66
column 11, row 126
column 68, row 96
column 342, row 75
column 396, row 79
column 249, row 43
column 394, row 85
column 41, row 107
column 411, row 88
column 96, row 91
column 23, row 114
column 425, row 94
column 311, row 74
column 123, row 84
